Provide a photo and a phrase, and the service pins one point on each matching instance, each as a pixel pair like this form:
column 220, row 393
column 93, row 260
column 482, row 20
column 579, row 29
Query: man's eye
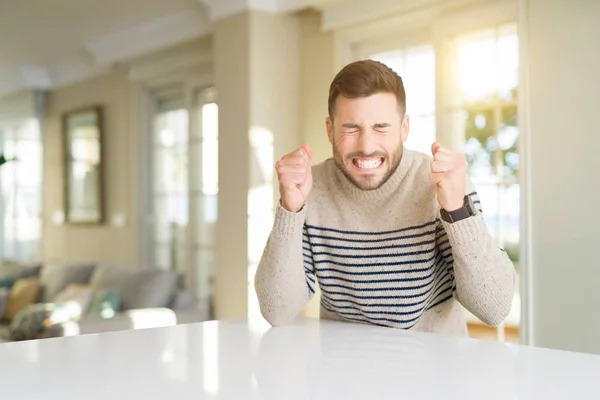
column 354, row 132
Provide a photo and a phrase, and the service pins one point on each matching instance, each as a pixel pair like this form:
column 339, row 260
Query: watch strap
column 462, row 213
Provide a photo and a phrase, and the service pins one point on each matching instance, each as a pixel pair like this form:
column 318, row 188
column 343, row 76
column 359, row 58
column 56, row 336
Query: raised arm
column 284, row 279
column 484, row 276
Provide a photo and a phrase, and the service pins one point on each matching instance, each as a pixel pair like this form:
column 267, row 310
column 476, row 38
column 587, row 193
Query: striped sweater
column 383, row 256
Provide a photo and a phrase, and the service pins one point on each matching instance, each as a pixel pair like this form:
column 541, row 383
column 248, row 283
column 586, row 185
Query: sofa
column 66, row 299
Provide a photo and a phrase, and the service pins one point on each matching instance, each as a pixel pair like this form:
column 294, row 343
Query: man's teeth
column 368, row 164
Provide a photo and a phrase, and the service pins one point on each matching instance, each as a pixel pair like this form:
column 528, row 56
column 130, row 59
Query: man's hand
column 448, row 174
column 295, row 178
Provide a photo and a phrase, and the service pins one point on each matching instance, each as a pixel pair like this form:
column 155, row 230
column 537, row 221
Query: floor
column 481, row 331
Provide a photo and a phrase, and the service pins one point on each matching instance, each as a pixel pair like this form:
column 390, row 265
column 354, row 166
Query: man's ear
column 329, row 126
column 405, row 128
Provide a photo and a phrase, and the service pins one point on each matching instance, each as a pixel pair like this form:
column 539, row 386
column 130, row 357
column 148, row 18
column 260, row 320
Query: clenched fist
column 295, row 178
column 449, row 175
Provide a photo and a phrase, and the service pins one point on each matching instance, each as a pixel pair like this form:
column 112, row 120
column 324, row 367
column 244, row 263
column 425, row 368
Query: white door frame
column 188, row 86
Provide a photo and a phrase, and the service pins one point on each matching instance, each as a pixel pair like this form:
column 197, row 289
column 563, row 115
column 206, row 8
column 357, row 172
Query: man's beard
column 391, row 163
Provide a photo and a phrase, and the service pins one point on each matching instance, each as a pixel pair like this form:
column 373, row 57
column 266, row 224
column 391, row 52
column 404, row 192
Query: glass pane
column 480, row 144
column 21, row 191
column 259, row 228
column 393, row 59
column 416, row 66
column 163, row 227
column 30, row 197
column 180, row 262
column 171, row 128
column 163, row 256
column 489, row 194
column 261, row 157
column 510, row 222
column 195, row 165
column 210, row 166
column 508, row 66
column 207, row 208
column 29, row 170
column 508, row 138
column 422, row 134
column 204, row 263
column 478, row 67
column 29, row 130
column 171, row 170
column 210, row 121
column 419, row 81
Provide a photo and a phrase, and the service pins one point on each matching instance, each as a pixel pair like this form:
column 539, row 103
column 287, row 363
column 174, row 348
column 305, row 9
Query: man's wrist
column 456, row 205
column 466, row 211
column 290, row 209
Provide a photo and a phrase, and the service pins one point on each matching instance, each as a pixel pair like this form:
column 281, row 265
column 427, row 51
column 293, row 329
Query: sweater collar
column 379, row 194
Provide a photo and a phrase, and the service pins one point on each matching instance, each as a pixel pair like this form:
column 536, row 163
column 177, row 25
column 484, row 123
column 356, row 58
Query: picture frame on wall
column 83, row 133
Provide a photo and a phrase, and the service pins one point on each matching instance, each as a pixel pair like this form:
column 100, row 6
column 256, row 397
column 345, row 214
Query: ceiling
column 48, row 43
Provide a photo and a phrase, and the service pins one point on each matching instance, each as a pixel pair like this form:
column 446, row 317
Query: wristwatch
column 468, row 210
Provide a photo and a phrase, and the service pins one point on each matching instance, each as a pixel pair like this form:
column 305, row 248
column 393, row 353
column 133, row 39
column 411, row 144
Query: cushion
column 4, row 296
column 19, row 270
column 76, row 296
column 4, row 333
column 23, row 293
column 11, row 271
column 38, row 321
column 105, row 303
column 55, row 278
column 137, row 288
column 7, row 282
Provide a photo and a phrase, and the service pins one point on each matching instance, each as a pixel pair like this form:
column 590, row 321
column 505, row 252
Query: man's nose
column 366, row 141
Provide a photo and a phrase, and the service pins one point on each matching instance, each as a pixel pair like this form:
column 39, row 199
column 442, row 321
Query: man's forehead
column 381, row 106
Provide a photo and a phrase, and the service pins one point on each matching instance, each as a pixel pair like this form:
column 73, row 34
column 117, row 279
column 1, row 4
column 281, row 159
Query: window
column 205, row 189
column 170, row 184
column 184, row 170
column 483, row 112
column 21, row 191
column 416, row 67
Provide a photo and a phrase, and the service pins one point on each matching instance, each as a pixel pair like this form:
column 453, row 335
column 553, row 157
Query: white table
column 308, row 360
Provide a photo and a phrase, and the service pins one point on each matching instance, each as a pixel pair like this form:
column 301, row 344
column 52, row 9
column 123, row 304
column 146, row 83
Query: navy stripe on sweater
column 362, row 233
column 403, row 321
column 368, row 277
column 325, row 237
column 393, row 246
column 354, row 283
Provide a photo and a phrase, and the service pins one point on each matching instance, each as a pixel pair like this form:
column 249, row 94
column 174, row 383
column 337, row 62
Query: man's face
column 367, row 135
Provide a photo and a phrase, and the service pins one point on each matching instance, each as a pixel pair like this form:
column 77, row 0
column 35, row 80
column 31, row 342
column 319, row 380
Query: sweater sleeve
column 484, row 276
column 285, row 280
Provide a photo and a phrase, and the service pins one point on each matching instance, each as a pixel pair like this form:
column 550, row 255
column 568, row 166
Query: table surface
column 309, row 359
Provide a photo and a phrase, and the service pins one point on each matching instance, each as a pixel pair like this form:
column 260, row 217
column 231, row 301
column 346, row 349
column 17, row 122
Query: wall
column 563, row 52
column 232, row 65
column 17, row 107
column 256, row 75
column 316, row 73
column 317, row 70
column 104, row 243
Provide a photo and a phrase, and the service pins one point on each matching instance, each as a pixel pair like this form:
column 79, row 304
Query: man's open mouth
column 368, row 163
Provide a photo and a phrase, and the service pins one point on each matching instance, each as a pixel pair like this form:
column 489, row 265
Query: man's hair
column 365, row 78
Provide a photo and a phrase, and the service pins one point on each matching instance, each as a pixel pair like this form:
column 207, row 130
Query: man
column 394, row 237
